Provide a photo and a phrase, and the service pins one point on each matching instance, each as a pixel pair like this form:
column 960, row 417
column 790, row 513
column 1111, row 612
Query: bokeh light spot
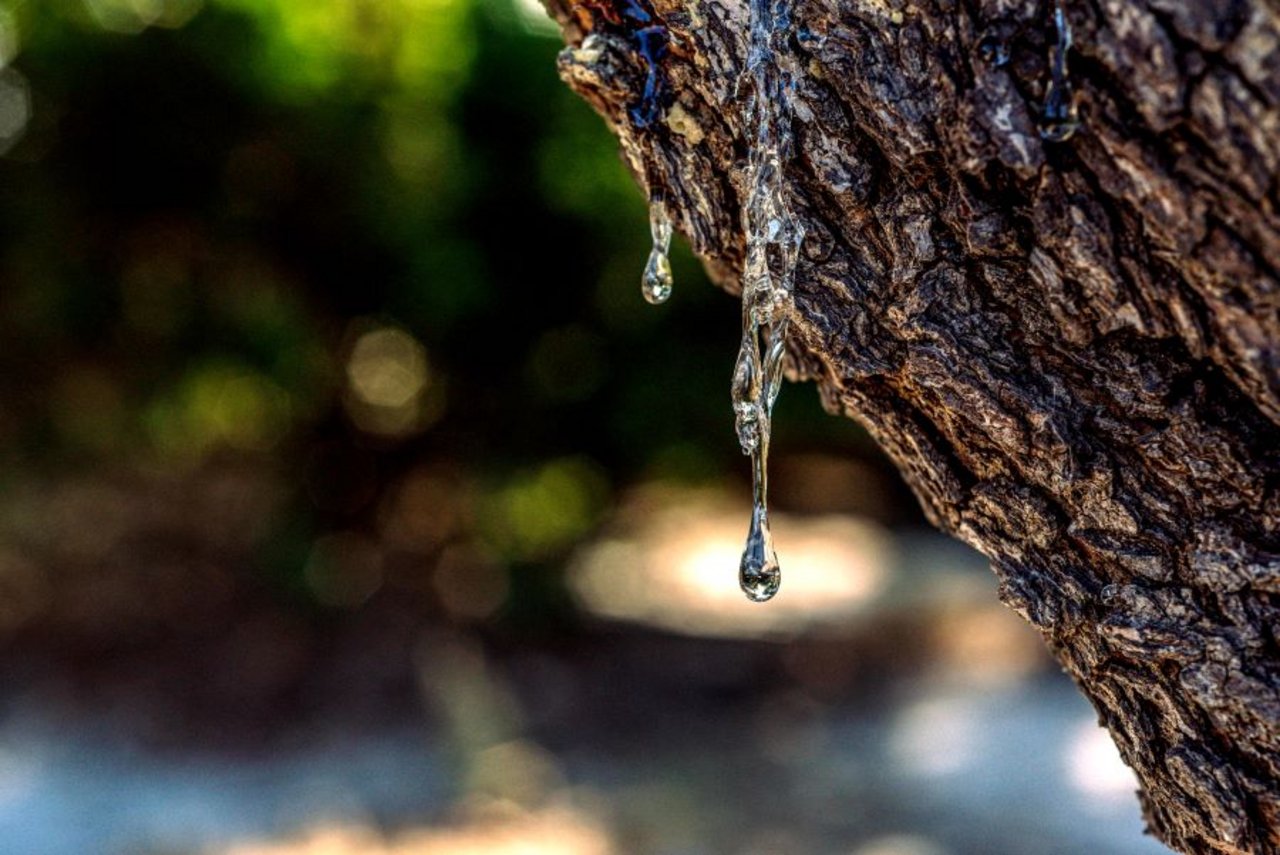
column 134, row 16
column 387, row 368
column 10, row 41
column 390, row 384
column 219, row 404
column 546, row 510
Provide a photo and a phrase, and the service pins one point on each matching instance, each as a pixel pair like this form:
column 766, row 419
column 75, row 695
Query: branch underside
column 1072, row 350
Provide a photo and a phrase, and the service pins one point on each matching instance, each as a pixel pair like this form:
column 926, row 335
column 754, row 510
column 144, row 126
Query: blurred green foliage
column 210, row 204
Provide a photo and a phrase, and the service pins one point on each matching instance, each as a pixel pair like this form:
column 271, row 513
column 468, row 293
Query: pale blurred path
column 636, row 742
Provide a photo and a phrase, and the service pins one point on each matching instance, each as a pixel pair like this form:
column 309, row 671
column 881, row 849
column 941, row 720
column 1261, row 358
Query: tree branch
column 1071, row 349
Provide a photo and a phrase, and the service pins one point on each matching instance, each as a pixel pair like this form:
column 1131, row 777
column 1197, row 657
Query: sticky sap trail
column 773, row 243
column 773, row 246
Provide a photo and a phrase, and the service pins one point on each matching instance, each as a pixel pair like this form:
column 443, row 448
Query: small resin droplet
column 759, row 574
column 1060, row 115
column 656, row 284
column 657, row 281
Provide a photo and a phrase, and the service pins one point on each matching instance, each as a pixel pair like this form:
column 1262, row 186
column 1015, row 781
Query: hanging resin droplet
column 1060, row 115
column 759, row 574
column 657, row 280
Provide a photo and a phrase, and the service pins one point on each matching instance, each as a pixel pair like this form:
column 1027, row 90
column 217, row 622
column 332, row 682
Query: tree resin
column 656, row 282
column 773, row 246
column 1060, row 115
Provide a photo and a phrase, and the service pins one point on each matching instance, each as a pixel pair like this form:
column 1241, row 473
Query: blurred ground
column 887, row 705
column 353, row 501
column 621, row 740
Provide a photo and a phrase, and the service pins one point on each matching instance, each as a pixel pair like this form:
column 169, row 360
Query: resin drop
column 656, row 282
column 1060, row 115
column 759, row 574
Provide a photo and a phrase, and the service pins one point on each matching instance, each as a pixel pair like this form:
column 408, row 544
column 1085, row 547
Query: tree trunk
column 1069, row 348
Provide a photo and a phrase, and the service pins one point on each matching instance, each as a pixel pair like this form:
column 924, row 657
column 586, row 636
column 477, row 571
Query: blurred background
column 353, row 501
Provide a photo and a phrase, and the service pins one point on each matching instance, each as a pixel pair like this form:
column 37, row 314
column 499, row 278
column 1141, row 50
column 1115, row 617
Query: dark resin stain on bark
column 636, row 23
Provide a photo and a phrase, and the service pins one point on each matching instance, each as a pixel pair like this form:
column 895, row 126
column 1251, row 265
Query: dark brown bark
column 1072, row 350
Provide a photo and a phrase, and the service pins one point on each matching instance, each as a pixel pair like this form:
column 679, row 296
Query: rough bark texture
column 1070, row 349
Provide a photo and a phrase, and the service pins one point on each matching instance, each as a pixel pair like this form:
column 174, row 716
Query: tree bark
column 1070, row 349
